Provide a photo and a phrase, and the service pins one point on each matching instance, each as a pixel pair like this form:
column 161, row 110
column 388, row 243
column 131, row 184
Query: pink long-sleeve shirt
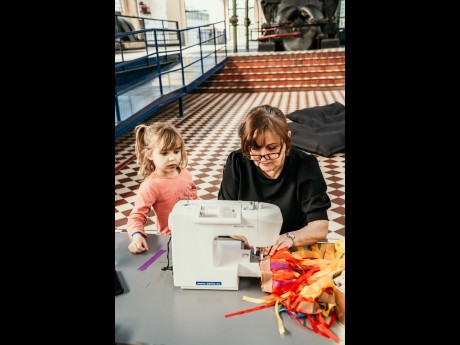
column 161, row 193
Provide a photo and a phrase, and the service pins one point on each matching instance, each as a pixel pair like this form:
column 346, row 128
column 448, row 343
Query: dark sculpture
column 298, row 24
column 123, row 25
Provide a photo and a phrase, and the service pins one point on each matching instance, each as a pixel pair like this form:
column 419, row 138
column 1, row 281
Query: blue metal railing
column 156, row 66
column 121, row 22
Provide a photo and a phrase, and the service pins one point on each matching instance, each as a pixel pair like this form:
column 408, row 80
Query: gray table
column 153, row 311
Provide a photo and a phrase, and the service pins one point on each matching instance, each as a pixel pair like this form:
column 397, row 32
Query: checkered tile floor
column 209, row 128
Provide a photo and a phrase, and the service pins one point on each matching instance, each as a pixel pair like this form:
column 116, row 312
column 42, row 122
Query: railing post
column 181, row 108
column 178, row 33
column 181, row 59
column 215, row 43
column 164, row 35
column 117, row 106
column 225, row 40
column 158, row 61
column 201, row 49
column 146, row 42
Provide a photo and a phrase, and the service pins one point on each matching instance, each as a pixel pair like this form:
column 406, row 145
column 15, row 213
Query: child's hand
column 138, row 244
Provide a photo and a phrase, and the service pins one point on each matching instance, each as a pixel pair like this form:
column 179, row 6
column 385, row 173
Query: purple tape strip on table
column 150, row 261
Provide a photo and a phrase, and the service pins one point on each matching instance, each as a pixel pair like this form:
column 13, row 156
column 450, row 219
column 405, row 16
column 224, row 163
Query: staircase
column 280, row 71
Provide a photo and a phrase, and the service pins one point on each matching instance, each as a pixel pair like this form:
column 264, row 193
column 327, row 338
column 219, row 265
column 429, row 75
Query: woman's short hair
column 261, row 119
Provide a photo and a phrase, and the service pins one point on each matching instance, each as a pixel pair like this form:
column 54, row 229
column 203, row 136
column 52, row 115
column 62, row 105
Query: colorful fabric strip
column 150, row 261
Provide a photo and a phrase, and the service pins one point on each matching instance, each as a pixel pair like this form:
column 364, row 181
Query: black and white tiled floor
column 209, row 128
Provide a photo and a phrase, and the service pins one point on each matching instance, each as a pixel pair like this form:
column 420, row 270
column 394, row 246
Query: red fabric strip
column 251, row 309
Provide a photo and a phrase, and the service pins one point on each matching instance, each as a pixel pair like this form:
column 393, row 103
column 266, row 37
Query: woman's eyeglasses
column 268, row 156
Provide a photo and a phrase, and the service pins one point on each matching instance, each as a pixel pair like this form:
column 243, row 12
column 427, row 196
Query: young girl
column 160, row 152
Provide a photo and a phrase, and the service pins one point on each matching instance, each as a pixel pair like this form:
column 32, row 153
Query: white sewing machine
column 201, row 258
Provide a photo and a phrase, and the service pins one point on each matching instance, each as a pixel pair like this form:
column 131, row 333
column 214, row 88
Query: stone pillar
column 234, row 21
column 247, row 22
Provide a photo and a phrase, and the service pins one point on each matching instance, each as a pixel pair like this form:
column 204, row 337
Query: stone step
column 285, row 62
column 281, row 75
column 281, row 71
column 279, row 81
column 314, row 54
column 235, row 89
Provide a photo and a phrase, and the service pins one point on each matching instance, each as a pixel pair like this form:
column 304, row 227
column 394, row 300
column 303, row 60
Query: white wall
column 216, row 11
column 175, row 10
column 157, row 9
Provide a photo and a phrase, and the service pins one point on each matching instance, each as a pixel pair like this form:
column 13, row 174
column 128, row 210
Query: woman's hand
column 138, row 244
column 313, row 232
column 245, row 241
column 283, row 242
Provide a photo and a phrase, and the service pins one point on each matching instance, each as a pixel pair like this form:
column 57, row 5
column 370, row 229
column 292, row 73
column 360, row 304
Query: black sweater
column 299, row 191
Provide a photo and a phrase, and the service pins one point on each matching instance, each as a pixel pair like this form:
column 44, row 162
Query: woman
column 268, row 169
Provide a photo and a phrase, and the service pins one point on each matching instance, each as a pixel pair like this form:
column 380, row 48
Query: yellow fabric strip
column 322, row 263
column 319, row 281
column 258, row 300
column 327, row 310
column 318, row 251
column 303, row 254
column 279, row 320
column 339, row 248
column 286, row 295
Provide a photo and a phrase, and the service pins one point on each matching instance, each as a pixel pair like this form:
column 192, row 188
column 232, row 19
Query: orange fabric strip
column 330, row 251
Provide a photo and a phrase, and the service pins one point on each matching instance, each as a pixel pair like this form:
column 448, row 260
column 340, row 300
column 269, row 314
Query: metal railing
column 156, row 66
column 146, row 23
